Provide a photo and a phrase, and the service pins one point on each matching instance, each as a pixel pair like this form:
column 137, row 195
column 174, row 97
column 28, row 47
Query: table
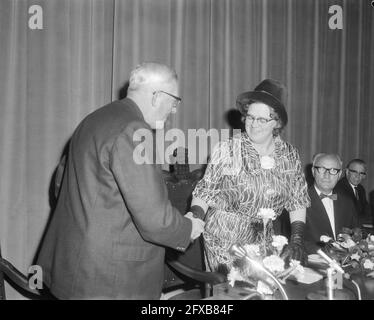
column 297, row 291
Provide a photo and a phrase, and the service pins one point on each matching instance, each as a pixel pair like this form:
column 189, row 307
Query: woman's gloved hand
column 295, row 249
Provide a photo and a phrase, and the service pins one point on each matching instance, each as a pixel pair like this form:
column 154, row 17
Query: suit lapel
column 357, row 202
column 350, row 191
column 321, row 211
column 361, row 197
column 337, row 216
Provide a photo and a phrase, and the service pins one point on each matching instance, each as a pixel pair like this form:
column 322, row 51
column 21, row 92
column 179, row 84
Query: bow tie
column 333, row 196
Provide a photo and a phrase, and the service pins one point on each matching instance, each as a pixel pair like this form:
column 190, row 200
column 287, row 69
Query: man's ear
column 312, row 169
column 340, row 174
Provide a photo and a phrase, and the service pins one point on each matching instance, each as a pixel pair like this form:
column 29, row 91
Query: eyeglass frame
column 260, row 120
column 178, row 99
column 361, row 174
column 328, row 170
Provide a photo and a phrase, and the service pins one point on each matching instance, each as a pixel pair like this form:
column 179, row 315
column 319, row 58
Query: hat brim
column 264, row 97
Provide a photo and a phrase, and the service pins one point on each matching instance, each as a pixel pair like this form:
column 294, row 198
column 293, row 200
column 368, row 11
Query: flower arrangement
column 353, row 250
column 268, row 257
column 244, row 271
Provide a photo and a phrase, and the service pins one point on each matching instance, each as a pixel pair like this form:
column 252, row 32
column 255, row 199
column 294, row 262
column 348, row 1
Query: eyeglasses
column 331, row 171
column 177, row 99
column 362, row 174
column 260, row 120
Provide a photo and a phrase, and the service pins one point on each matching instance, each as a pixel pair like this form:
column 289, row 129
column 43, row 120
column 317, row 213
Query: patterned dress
column 237, row 184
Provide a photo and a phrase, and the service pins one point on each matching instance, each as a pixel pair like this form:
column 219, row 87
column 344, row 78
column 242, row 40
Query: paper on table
column 308, row 276
column 316, row 258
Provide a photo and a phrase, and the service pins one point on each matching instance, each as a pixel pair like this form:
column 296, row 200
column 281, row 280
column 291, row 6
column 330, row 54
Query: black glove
column 197, row 212
column 295, row 249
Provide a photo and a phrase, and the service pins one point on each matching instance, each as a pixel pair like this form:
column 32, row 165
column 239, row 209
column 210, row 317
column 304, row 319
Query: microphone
column 333, row 264
column 339, row 294
column 238, row 251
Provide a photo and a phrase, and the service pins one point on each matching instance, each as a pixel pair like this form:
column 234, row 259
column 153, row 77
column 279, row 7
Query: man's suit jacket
column 317, row 220
column 361, row 204
column 112, row 217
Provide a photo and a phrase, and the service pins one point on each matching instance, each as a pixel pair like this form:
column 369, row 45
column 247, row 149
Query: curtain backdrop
column 51, row 78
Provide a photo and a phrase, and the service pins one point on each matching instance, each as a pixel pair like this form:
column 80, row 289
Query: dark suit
column 361, row 204
column 317, row 220
column 113, row 216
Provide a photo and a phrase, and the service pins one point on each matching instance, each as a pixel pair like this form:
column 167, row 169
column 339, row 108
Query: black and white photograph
column 206, row 151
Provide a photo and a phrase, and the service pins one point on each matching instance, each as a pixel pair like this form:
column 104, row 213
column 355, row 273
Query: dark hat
column 270, row 92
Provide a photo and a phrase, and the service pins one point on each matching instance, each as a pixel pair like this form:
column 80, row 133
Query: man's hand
column 197, row 225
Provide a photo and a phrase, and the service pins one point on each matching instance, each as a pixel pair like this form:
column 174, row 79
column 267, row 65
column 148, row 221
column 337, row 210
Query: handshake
column 197, row 225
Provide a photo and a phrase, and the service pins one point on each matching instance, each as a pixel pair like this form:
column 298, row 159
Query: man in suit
column 330, row 211
column 113, row 218
column 355, row 172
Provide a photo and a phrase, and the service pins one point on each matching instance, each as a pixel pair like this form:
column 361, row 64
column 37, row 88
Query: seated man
column 355, row 172
column 329, row 211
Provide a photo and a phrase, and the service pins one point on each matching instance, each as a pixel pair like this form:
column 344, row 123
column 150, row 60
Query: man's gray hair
column 150, row 72
column 358, row 161
column 322, row 154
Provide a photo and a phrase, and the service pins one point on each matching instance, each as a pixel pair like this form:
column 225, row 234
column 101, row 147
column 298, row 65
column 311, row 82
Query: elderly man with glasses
column 113, row 219
column 355, row 172
column 330, row 210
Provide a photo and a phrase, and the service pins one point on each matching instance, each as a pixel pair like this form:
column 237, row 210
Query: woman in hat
column 248, row 175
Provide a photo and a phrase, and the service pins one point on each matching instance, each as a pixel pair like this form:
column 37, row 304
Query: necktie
column 333, row 196
column 356, row 193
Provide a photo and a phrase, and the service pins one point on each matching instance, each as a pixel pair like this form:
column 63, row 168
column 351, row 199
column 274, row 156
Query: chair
column 184, row 273
column 16, row 279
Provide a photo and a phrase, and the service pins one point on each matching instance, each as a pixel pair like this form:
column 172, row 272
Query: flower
column 234, row 275
column 325, row 239
column 267, row 162
column 274, row 263
column 279, row 242
column 255, row 268
column 297, row 266
column 263, row 288
column 260, row 264
column 355, row 256
column 252, row 249
column 353, row 249
column 349, row 243
column 266, row 214
column 248, row 272
column 368, row 264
